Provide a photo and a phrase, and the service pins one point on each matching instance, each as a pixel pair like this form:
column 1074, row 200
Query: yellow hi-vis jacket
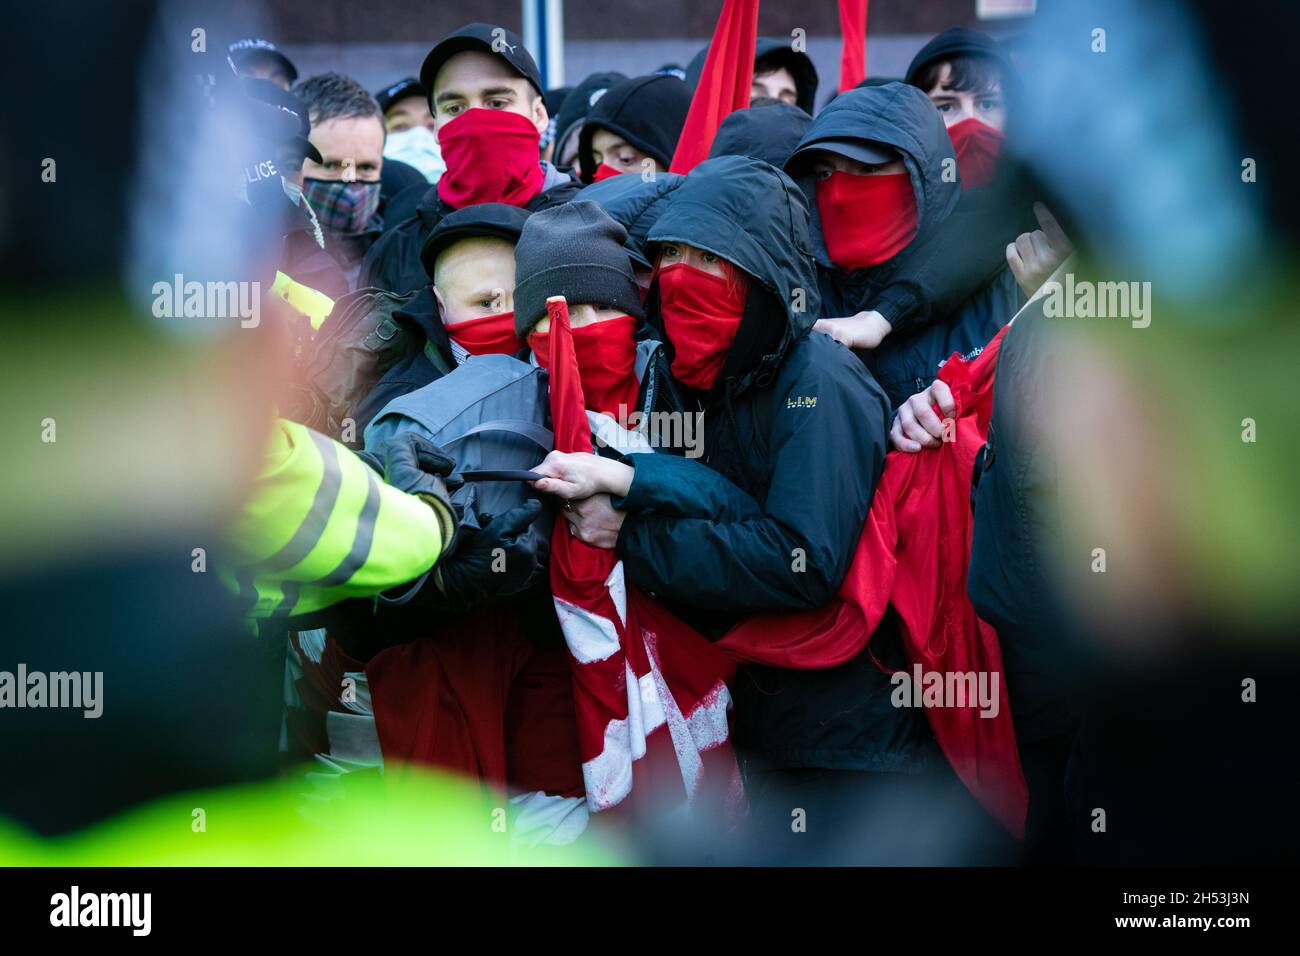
column 321, row 526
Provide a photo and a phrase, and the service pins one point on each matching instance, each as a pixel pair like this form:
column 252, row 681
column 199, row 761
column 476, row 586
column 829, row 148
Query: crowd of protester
column 787, row 305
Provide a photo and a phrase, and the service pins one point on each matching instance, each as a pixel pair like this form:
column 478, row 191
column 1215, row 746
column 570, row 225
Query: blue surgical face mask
column 417, row 147
column 291, row 189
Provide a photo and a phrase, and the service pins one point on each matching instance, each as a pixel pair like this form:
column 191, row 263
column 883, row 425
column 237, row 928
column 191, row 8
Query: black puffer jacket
column 636, row 204
column 902, row 117
column 1015, row 560
column 797, row 426
column 769, row 133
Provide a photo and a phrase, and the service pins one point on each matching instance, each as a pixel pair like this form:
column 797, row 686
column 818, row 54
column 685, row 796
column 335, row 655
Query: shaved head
column 475, row 277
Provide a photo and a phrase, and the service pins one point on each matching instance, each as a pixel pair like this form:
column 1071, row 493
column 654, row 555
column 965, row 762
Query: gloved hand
column 475, row 572
column 412, row 463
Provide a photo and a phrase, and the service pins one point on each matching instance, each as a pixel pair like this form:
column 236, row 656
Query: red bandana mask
column 866, row 220
column 488, row 335
column 605, row 171
column 978, row 146
column 606, row 353
column 701, row 313
column 491, row 156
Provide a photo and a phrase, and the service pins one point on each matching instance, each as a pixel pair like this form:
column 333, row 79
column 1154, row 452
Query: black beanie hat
column 647, row 111
column 954, row 42
column 574, row 250
column 579, row 103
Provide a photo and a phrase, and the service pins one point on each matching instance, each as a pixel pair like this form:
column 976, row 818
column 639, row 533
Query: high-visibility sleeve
column 321, row 526
column 303, row 299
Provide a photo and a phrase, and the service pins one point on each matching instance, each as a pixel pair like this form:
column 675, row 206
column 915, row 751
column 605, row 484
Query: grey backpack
column 489, row 414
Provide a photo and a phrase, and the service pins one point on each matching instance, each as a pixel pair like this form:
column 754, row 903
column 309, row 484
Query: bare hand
column 1034, row 256
column 594, row 521
column 866, row 330
column 581, row 475
column 916, row 425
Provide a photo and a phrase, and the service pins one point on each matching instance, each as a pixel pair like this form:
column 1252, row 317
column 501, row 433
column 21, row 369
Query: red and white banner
column 650, row 693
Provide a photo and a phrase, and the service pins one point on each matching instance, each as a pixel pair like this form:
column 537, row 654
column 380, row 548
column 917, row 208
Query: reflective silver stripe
column 352, row 561
column 361, row 541
column 309, row 532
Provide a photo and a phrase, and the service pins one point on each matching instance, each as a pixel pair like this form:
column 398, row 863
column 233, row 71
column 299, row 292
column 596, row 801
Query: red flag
column 913, row 555
column 853, row 54
column 725, row 82
column 651, row 700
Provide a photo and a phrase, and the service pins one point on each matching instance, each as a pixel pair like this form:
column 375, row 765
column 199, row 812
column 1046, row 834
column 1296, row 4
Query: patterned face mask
column 342, row 206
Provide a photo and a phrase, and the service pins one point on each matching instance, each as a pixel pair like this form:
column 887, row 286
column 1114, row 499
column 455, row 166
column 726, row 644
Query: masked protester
column 793, row 443
column 343, row 188
column 964, row 73
column 411, row 139
column 572, row 115
column 485, row 96
column 465, row 307
column 873, row 167
column 634, row 128
column 972, row 83
column 578, row 251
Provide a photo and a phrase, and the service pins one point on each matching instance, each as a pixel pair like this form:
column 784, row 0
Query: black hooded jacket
column 648, row 112
column 772, row 53
column 636, row 204
column 769, row 133
column 798, row 428
column 902, row 117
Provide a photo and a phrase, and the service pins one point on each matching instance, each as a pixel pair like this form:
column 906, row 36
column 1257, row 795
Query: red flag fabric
column 853, row 54
column 913, row 555
column 725, row 82
column 479, row 700
column 651, row 700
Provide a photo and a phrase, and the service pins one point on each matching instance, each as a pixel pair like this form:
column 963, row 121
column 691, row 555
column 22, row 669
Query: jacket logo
column 801, row 401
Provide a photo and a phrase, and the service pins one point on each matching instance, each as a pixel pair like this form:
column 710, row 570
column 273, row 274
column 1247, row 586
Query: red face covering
column 604, row 171
column 488, row 335
column 606, row 353
column 866, row 220
column 978, row 146
column 491, row 156
column 701, row 313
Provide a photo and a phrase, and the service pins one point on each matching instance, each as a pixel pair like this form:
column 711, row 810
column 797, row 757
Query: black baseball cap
column 400, row 90
column 243, row 50
column 488, row 219
column 485, row 38
column 285, row 120
column 863, row 150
